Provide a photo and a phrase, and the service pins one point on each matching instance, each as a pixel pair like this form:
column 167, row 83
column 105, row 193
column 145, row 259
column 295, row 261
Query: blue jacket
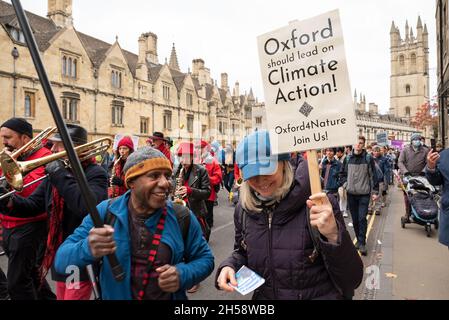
column 75, row 251
column 440, row 176
column 333, row 179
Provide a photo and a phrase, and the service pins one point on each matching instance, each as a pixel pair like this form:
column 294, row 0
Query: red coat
column 215, row 175
column 11, row 222
column 237, row 175
column 117, row 191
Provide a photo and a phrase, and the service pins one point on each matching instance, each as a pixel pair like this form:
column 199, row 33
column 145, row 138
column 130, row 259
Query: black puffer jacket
column 280, row 253
column 74, row 208
column 198, row 181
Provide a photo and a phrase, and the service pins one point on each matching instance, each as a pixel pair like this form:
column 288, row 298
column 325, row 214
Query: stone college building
column 109, row 90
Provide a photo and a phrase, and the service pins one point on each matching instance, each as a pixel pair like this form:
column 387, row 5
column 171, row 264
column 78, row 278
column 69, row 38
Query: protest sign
column 307, row 92
column 382, row 138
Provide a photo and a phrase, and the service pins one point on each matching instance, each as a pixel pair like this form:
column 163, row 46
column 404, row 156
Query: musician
column 24, row 236
column 195, row 185
column 124, row 148
column 60, row 196
column 160, row 261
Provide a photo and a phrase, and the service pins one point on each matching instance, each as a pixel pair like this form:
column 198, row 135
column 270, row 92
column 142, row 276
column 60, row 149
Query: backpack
column 182, row 216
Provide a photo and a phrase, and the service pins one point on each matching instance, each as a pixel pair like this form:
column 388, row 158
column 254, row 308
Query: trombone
column 15, row 170
column 31, row 145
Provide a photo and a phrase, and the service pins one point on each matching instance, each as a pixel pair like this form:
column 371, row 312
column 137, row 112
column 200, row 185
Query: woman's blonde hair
column 251, row 203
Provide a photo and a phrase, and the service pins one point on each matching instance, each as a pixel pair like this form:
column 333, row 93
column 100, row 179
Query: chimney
column 197, row 65
column 141, row 68
column 151, row 47
column 237, row 89
column 224, row 81
column 201, row 72
column 142, row 48
column 60, row 12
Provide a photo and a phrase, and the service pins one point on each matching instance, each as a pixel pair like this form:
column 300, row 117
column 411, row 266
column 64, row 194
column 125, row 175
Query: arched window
column 407, row 89
column 113, row 78
column 407, row 111
column 73, row 112
column 64, row 108
column 74, row 68
column 401, row 60
column 64, row 65
column 69, row 67
column 28, row 112
column 413, row 59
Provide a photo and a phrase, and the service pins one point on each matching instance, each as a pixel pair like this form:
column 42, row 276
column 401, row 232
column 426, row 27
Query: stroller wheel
column 403, row 222
column 428, row 230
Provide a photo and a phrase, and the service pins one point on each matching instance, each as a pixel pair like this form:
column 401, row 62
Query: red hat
column 185, row 148
column 126, row 142
column 203, row 144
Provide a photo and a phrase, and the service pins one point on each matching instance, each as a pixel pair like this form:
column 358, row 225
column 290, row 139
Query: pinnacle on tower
column 419, row 25
column 407, row 34
column 393, row 27
column 174, row 59
column 425, row 29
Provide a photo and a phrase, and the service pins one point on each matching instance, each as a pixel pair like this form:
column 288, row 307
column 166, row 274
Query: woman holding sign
column 301, row 249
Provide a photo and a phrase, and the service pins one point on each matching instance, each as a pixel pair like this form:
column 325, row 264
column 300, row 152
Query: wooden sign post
column 314, row 173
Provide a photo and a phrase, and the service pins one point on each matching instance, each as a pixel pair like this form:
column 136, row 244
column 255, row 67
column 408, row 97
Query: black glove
column 116, row 181
column 54, row 167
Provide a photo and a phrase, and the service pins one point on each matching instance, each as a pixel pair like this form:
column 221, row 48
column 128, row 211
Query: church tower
column 409, row 83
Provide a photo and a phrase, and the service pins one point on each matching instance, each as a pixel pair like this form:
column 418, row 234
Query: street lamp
column 15, row 55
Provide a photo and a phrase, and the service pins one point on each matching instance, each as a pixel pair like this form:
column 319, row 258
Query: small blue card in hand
column 247, row 281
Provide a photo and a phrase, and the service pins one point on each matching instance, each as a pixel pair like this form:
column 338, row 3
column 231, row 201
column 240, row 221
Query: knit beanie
column 144, row 160
column 19, row 125
column 126, row 142
column 416, row 136
column 185, row 148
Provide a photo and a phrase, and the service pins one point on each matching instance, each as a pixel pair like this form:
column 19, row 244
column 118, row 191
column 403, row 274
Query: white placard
column 307, row 91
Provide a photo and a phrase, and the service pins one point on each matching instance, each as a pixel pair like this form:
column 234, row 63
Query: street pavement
column 402, row 264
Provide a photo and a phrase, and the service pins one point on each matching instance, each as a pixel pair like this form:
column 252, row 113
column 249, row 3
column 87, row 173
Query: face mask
column 416, row 143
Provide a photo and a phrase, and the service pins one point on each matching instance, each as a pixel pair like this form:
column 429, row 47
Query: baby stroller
column 424, row 208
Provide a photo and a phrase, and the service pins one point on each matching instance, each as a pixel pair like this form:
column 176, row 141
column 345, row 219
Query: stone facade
column 109, row 90
column 370, row 122
column 409, row 70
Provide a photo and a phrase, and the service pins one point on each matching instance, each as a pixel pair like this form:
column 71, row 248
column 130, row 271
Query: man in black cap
column 60, row 196
column 24, row 236
column 159, row 143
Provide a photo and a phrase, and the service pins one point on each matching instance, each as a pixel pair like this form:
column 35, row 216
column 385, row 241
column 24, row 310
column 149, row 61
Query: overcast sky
column 224, row 33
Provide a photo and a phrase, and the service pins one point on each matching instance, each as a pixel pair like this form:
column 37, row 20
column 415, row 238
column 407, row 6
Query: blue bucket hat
column 254, row 156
